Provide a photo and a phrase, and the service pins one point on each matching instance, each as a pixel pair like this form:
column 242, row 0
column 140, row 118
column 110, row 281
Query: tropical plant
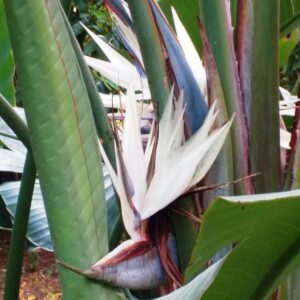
column 65, row 116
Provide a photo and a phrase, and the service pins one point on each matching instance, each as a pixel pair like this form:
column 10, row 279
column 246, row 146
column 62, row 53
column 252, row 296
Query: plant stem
column 150, row 45
column 258, row 71
column 216, row 21
column 17, row 125
column 16, row 249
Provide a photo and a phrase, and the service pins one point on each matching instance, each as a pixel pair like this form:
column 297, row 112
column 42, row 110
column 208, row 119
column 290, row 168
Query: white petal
column 114, row 57
column 133, row 153
column 165, row 128
column 288, row 98
column 128, row 215
column 130, row 37
column 174, row 175
column 118, row 74
column 206, row 162
column 190, row 53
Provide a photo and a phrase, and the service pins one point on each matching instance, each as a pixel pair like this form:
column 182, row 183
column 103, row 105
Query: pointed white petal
column 133, row 153
column 165, row 128
column 190, row 53
column 203, row 131
column 128, row 216
column 219, row 137
column 114, row 57
column 174, row 175
column 288, row 98
column 177, row 137
column 118, row 74
column 287, row 105
column 130, row 37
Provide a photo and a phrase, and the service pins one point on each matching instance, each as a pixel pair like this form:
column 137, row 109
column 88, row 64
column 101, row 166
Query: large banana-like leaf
column 6, row 60
column 265, row 229
column 38, row 232
column 64, row 140
column 13, row 160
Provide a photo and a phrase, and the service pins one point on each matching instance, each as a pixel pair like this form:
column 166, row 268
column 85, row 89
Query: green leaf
column 11, row 161
column 289, row 16
column 265, row 228
column 38, row 232
column 7, row 67
column 102, row 124
column 286, row 10
column 287, row 45
column 64, row 140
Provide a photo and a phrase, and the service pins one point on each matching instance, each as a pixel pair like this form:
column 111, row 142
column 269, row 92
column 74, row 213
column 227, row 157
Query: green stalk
column 215, row 16
column 222, row 169
column 13, row 120
column 103, row 126
column 233, row 9
column 150, row 45
column 258, row 34
column 16, row 248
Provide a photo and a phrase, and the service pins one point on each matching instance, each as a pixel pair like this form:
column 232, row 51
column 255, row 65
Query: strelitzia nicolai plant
column 214, row 8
